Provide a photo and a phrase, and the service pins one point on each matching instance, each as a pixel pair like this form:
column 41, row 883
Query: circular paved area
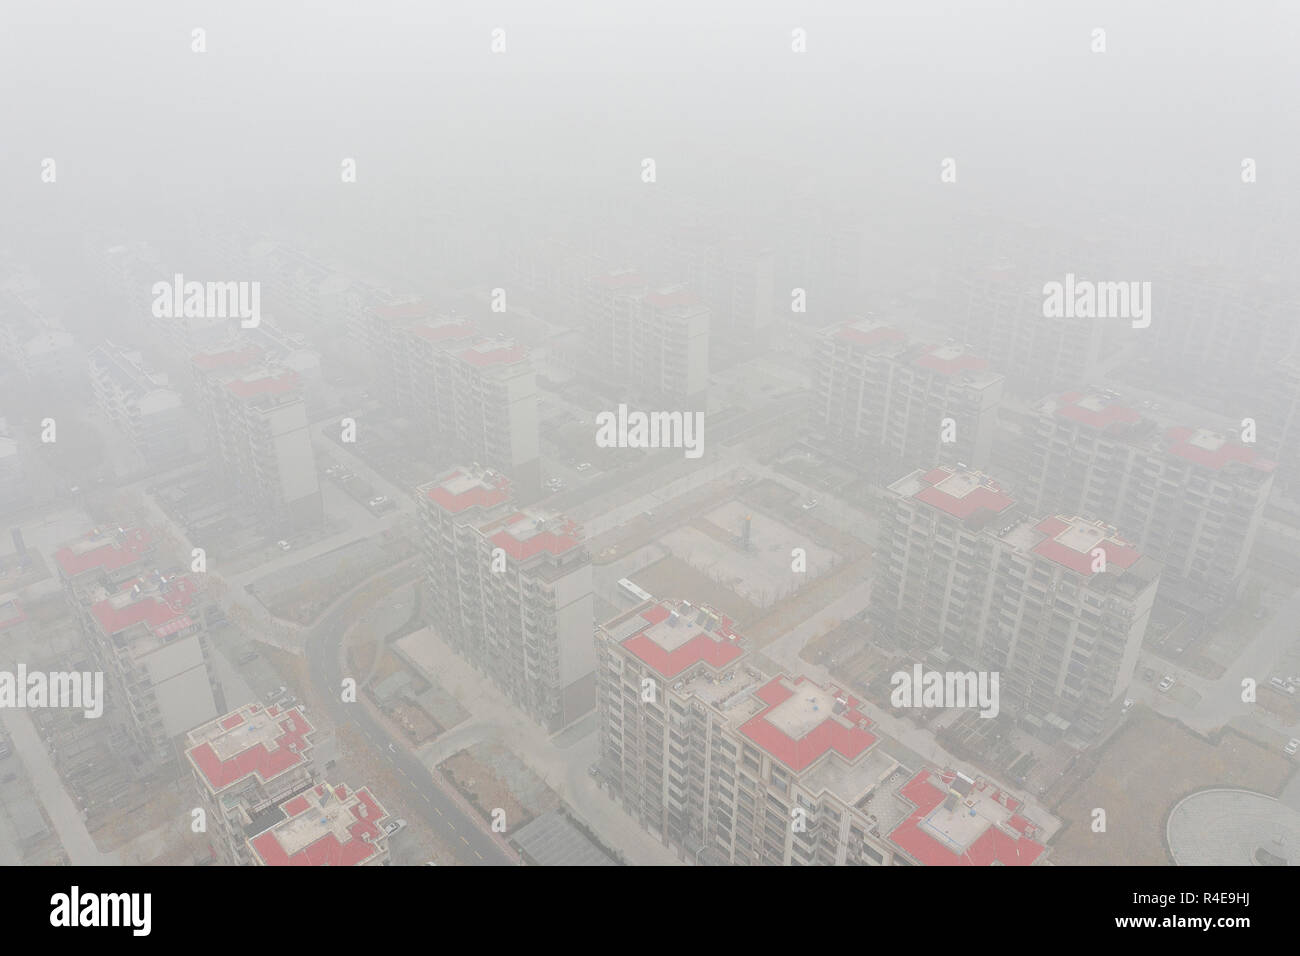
column 1227, row 828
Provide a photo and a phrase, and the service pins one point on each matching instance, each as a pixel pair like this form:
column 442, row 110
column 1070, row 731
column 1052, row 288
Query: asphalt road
column 471, row 844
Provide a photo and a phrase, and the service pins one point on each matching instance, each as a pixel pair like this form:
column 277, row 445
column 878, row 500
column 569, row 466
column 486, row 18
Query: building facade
column 1056, row 605
column 729, row 765
column 1191, row 498
column 139, row 404
column 885, row 402
column 510, row 589
column 255, row 419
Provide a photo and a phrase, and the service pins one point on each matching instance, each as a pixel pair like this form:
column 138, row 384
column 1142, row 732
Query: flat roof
column 803, row 722
column 958, row 493
column 461, row 489
column 552, row 840
column 324, row 826
column 1212, row 450
column 1093, row 409
column 415, row 308
column 227, row 359
column 525, row 534
column 1104, row 410
column 953, row 359
column 957, row 821
column 493, row 352
column 671, row 637
column 447, row 331
column 850, row 780
column 264, row 381
column 253, row 741
column 868, row 332
column 162, row 606
column 1070, row 540
column 669, row 297
column 620, row 279
column 104, row 551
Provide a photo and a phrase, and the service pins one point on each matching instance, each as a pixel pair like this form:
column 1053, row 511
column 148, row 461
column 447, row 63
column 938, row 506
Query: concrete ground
column 561, row 760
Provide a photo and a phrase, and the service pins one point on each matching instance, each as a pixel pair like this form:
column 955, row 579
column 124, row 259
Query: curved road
column 472, row 845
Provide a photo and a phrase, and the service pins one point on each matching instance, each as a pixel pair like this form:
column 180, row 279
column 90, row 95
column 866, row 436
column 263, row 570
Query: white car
column 284, row 545
column 1292, row 746
column 584, row 466
column 1166, row 683
column 810, row 504
column 394, row 826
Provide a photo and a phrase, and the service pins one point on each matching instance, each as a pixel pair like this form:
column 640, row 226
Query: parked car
column 810, row 504
column 394, row 826
column 284, row 545
column 1292, row 746
column 1166, row 683
column 584, row 466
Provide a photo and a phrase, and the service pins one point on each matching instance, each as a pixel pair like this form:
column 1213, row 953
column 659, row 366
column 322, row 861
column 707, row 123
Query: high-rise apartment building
column 652, row 342
column 470, row 396
column 889, row 404
column 1057, row 605
column 998, row 312
column 138, row 402
column 1191, row 498
column 246, row 764
column 510, row 590
column 727, row 764
column 256, row 424
column 148, row 632
column 38, row 347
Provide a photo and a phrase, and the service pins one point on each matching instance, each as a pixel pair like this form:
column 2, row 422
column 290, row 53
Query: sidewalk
column 563, row 768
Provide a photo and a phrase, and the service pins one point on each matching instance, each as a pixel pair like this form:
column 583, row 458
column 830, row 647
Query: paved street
column 323, row 648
